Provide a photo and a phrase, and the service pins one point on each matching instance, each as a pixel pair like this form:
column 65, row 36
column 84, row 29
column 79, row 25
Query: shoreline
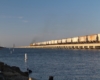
column 13, row 73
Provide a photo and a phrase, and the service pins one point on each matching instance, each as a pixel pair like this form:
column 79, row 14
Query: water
column 62, row 64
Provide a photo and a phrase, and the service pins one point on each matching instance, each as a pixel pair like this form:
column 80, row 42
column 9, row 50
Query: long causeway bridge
column 68, row 46
column 79, row 42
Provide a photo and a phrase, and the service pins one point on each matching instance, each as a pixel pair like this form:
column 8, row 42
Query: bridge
column 68, row 46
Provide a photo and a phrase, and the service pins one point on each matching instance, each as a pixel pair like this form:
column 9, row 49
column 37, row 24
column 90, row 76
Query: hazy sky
column 25, row 21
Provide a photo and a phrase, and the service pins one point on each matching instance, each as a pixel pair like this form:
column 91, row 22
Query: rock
column 16, row 69
column 1, row 76
column 7, row 68
column 17, row 78
column 7, row 74
column 1, row 66
column 13, row 73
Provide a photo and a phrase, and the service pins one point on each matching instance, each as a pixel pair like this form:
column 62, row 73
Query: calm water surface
column 62, row 64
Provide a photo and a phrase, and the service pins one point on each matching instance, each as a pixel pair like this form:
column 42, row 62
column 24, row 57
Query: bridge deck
column 83, row 46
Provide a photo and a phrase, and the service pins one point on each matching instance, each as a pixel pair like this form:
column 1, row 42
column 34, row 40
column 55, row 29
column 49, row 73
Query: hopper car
column 64, row 41
column 53, row 42
column 92, row 38
column 98, row 37
column 83, row 39
column 56, row 41
column 75, row 40
column 69, row 40
column 59, row 42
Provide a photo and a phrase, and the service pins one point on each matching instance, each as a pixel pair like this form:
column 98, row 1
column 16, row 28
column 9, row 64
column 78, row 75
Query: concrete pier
column 67, row 46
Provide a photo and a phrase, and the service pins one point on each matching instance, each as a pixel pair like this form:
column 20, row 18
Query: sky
column 26, row 21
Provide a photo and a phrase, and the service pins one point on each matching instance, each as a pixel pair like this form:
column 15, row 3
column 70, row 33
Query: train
column 94, row 38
